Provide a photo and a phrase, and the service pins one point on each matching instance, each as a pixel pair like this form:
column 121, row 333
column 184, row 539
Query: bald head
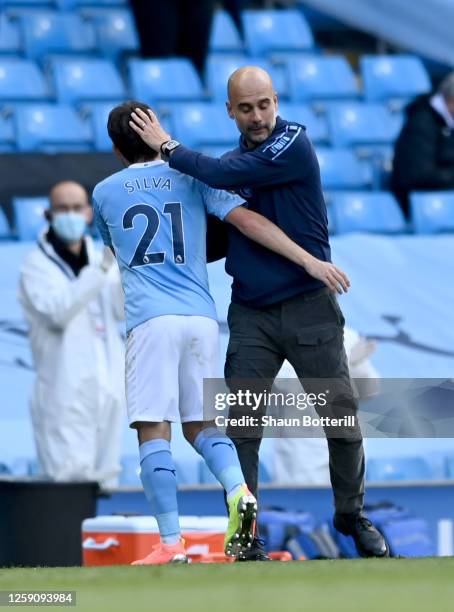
column 68, row 197
column 68, row 193
column 247, row 80
column 252, row 103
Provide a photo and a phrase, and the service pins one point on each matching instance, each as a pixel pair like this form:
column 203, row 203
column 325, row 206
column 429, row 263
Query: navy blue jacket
column 279, row 179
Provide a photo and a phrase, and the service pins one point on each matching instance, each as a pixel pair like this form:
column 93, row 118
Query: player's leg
column 315, row 348
column 221, row 457
column 152, row 356
column 198, row 362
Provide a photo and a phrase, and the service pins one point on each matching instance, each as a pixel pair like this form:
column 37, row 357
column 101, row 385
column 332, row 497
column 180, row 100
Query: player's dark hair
column 128, row 142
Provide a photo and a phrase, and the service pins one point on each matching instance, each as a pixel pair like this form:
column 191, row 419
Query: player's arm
column 259, row 167
column 265, row 232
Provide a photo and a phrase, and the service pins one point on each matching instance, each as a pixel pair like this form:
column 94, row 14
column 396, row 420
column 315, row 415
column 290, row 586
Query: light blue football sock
column 160, row 485
column 221, row 457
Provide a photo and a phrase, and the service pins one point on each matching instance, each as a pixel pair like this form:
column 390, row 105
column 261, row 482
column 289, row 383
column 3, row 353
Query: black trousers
column 307, row 331
column 169, row 28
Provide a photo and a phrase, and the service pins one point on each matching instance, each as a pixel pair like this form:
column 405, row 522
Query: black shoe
column 256, row 552
column 368, row 540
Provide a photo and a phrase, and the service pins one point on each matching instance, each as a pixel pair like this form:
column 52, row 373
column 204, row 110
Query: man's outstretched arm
column 265, row 232
column 259, row 167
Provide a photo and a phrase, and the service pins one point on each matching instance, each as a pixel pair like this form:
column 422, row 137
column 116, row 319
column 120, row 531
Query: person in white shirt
column 72, row 300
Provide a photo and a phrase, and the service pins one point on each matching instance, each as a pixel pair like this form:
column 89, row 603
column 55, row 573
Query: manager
column 279, row 310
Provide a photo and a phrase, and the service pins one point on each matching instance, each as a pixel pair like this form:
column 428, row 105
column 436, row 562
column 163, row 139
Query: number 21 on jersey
column 142, row 256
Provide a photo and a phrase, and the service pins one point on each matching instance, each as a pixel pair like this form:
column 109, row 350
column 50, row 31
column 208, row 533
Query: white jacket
column 78, row 402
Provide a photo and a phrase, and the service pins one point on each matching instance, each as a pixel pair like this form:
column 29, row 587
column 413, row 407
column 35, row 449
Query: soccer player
column 154, row 218
column 291, row 311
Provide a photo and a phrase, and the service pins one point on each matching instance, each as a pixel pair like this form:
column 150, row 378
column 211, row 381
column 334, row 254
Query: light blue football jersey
column 154, row 217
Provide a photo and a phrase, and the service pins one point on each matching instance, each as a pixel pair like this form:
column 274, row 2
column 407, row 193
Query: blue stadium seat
column 9, row 36
column 99, row 2
column 28, row 3
column 358, row 124
column 216, row 151
column 205, row 475
column 393, row 77
column 49, row 32
column 77, row 80
column 29, row 218
column 130, row 471
column 220, row 67
column 74, row 4
column 224, row 34
column 317, row 129
column 51, row 128
column 115, row 31
column 7, row 138
column 449, row 467
column 5, row 231
column 341, row 169
column 432, row 212
column 376, row 212
column 398, row 468
column 269, row 31
column 99, row 113
column 320, row 78
column 21, row 80
column 203, row 125
column 164, row 80
column 187, row 468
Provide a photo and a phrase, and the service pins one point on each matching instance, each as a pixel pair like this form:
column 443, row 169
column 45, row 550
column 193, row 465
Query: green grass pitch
column 369, row 585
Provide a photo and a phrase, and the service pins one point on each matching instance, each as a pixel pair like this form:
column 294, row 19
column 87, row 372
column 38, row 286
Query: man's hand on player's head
column 328, row 273
column 149, row 129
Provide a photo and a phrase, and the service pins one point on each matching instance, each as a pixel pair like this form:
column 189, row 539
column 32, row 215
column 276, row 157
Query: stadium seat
column 220, row 67
column 7, row 139
column 53, row 32
column 376, row 212
column 341, row 169
column 193, row 124
column 217, row 151
column 5, row 231
column 28, row 3
column 269, row 31
column 98, row 114
column 449, row 467
column 398, row 468
column 115, row 31
column 51, row 128
column 9, row 36
column 78, row 80
column 98, row 2
column 205, row 475
column 66, row 5
column 317, row 129
column 393, row 77
column 432, row 212
column 164, row 80
column 224, row 34
column 320, row 78
column 29, row 218
column 358, row 124
column 130, row 471
column 21, row 80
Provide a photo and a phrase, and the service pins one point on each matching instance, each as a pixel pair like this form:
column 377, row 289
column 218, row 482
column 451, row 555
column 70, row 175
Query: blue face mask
column 69, row 226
